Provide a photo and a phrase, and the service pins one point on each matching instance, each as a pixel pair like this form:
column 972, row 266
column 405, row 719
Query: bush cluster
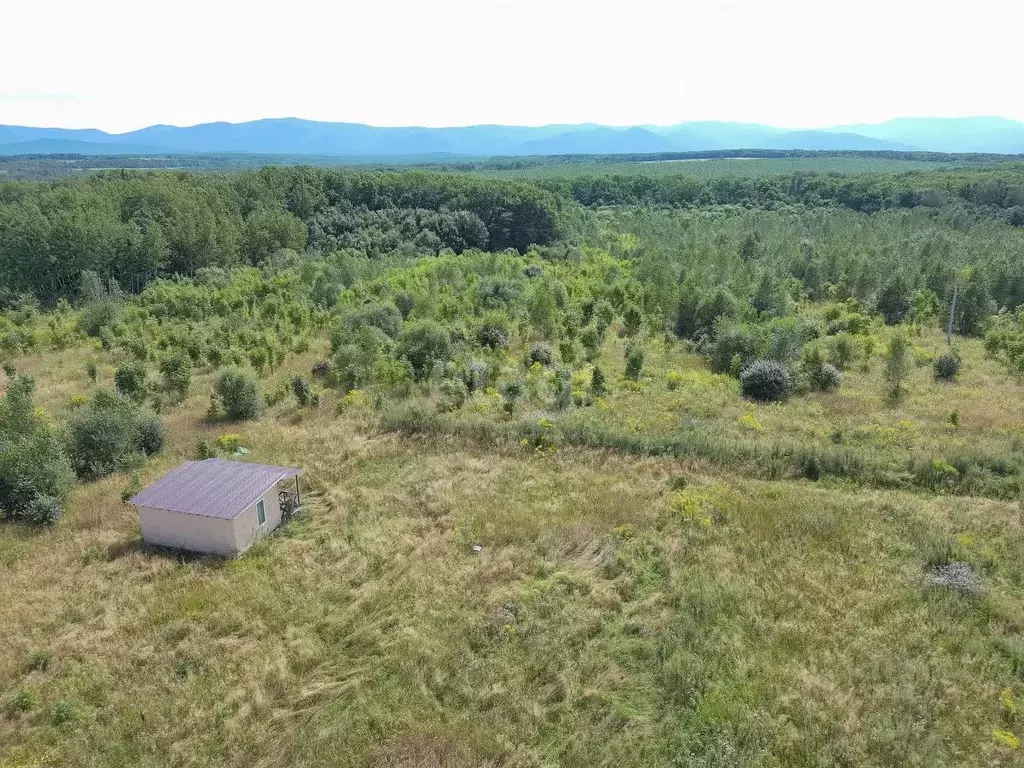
column 766, row 380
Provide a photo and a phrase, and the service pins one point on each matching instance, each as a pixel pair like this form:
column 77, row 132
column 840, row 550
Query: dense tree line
column 136, row 226
column 996, row 194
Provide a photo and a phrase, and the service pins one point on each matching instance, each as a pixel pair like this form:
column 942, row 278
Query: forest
column 607, row 465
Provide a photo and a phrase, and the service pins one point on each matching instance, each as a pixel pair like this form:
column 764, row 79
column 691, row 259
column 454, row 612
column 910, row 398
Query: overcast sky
column 124, row 64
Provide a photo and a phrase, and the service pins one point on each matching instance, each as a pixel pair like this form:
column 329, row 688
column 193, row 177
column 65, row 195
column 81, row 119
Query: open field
column 605, row 621
column 723, row 167
column 610, row 619
column 737, row 503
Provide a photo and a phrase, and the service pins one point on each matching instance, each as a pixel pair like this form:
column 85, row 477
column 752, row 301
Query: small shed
column 214, row 506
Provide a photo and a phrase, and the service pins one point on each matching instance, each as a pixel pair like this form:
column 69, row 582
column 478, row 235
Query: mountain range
column 283, row 136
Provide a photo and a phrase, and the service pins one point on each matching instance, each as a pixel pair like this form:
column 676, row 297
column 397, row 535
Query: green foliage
column 35, row 474
column 61, row 713
column 827, row 378
column 453, row 394
column 130, row 380
column 563, row 389
column 634, row 361
column 894, row 300
column 632, row 320
column 540, row 354
column 204, row 450
column 236, row 394
column 597, row 382
column 176, row 368
column 303, row 391
column 133, row 487
column 898, row 364
column 384, row 316
column 424, row 343
column 493, row 331
column 511, row 391
column 946, row 367
column 230, row 443
column 766, row 380
column 24, row 700
column 111, row 434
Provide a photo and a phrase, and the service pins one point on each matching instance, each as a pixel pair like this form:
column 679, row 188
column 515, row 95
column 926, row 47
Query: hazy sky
column 123, row 64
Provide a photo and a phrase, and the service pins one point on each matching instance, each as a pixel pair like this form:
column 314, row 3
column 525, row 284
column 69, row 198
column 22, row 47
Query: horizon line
column 816, row 127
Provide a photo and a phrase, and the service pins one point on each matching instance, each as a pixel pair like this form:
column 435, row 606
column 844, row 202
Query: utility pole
column 952, row 315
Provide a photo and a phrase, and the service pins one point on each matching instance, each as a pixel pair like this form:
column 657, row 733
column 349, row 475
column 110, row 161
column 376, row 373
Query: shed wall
column 246, row 525
column 180, row 530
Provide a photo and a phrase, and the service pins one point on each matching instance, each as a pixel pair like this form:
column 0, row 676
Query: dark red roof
column 212, row 487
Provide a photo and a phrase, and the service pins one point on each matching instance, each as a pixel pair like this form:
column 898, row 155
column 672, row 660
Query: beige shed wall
column 246, row 525
column 193, row 532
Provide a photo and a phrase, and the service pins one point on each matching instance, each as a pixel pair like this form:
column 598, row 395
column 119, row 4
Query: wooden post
column 298, row 498
column 952, row 315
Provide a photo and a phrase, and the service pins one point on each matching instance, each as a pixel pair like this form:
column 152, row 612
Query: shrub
column 204, row 450
column 732, row 341
column 597, row 382
column 673, row 380
column 591, row 339
column 62, row 713
column 678, row 482
column 91, row 370
column 130, row 379
column 302, row 390
column 937, row 474
column 540, row 353
column 321, row 368
column 493, row 332
column 43, row 510
column 383, row 315
column 827, row 378
column 511, row 391
column 634, row 361
column 24, row 700
column 843, row 351
column 453, row 394
column 946, row 367
column 898, row 362
column 475, row 376
column 423, row 344
column 533, row 270
column 894, row 300
column 563, row 389
column 132, row 488
column 393, row 375
column 352, row 366
column 237, row 394
column 111, row 434
column 632, row 320
column 177, row 372
column 766, row 380
column 568, row 350
column 151, row 433
column 35, row 473
column 230, row 443
column 39, row 661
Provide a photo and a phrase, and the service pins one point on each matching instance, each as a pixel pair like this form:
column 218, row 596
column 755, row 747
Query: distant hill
column 294, row 136
column 948, row 134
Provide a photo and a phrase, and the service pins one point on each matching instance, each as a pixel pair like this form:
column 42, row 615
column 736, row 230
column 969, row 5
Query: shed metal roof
column 212, row 487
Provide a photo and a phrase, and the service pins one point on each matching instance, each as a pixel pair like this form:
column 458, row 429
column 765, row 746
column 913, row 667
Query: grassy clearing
column 609, row 619
column 720, row 168
column 857, row 433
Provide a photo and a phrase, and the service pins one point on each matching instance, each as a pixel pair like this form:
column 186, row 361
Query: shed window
column 261, row 511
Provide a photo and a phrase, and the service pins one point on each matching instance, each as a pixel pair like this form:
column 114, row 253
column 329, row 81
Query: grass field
column 624, row 609
column 717, row 168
